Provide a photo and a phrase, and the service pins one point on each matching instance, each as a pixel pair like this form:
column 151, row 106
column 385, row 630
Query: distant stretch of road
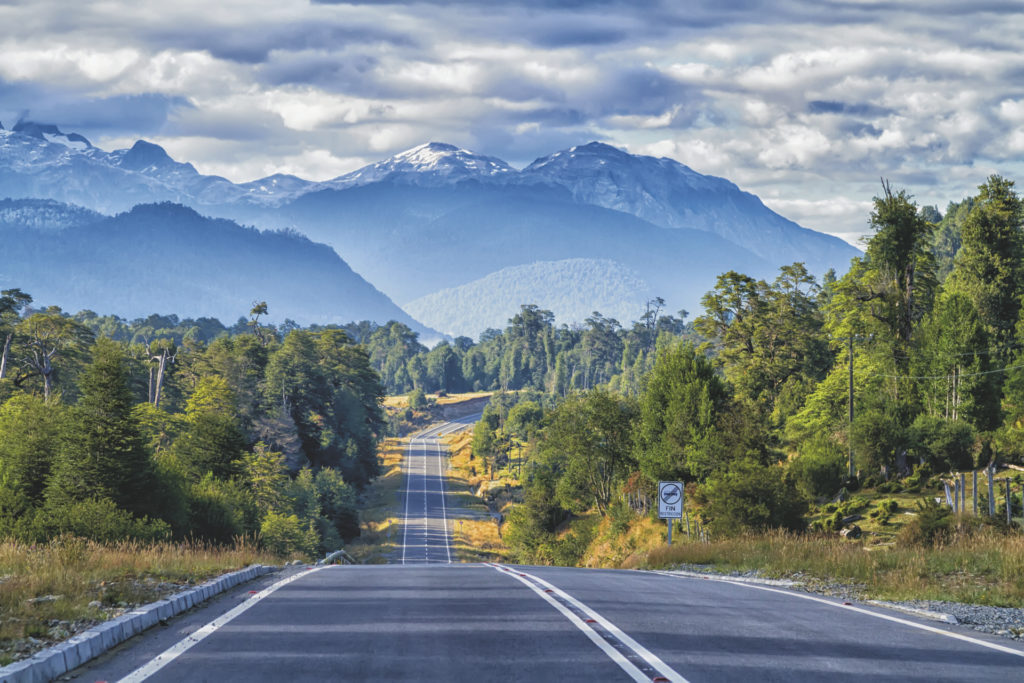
column 425, row 619
column 426, row 534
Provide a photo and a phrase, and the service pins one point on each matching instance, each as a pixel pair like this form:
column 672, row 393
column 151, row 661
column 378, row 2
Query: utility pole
column 849, row 434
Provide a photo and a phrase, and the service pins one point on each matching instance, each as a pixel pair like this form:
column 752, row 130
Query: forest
column 163, row 427
column 169, row 429
column 755, row 419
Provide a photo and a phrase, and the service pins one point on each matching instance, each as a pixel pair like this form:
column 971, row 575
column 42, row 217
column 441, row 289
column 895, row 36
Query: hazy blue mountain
column 168, row 258
column 437, row 216
column 571, row 288
column 672, row 195
column 410, row 240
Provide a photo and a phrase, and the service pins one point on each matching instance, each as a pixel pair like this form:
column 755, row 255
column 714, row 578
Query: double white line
column 639, row 663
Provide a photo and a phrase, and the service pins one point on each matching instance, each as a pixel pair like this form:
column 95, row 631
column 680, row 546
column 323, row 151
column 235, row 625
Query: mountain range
column 167, row 258
column 438, row 217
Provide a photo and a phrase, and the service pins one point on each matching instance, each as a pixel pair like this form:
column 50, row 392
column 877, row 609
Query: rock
column 851, row 532
column 44, row 598
column 95, row 604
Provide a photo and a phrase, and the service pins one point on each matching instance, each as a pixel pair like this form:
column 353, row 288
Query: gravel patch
column 1000, row 621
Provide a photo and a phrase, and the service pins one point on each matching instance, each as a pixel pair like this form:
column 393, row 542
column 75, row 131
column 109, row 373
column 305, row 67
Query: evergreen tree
column 104, row 455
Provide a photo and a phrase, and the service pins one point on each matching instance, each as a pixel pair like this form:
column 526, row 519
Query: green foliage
column 286, row 535
column 104, row 455
column 220, row 510
column 932, row 524
column 678, row 434
column 30, row 439
column 98, row 519
column 750, row 496
column 588, row 442
column 820, row 468
column 944, row 445
column 417, row 399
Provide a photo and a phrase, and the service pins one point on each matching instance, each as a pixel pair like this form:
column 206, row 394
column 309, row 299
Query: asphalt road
column 426, row 530
column 428, row 620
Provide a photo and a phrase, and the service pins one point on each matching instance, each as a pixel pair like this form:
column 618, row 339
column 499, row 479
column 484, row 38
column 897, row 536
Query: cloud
column 804, row 102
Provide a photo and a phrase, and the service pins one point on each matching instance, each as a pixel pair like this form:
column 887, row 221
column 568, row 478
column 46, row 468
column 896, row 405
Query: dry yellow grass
column 476, row 533
column 401, row 401
column 986, row 567
column 46, row 589
column 380, row 514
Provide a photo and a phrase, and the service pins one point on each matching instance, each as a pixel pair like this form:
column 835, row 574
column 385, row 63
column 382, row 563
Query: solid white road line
column 887, row 617
column 408, row 480
column 636, row 674
column 444, row 507
column 426, row 523
column 175, row 651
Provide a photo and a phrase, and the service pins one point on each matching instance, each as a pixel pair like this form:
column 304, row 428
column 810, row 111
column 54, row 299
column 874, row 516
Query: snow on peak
column 47, row 132
column 431, row 163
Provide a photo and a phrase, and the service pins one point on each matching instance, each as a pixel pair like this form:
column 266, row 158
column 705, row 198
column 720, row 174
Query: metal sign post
column 670, row 503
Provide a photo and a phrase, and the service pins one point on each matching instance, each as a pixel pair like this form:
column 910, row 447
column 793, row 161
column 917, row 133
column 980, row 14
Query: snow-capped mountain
column 438, row 216
column 430, row 164
column 672, row 195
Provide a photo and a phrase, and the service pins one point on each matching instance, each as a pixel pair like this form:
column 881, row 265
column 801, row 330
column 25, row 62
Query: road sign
column 670, row 500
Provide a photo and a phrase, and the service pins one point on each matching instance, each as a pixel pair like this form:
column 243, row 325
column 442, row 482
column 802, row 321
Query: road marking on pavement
column 408, row 480
column 175, row 651
column 444, row 507
column 607, row 640
column 887, row 617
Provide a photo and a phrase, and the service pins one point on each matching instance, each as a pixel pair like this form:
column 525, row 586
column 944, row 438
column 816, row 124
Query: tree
column 47, row 337
column 12, row 301
column 589, row 438
column 990, row 263
column 105, row 454
column 211, row 442
column 677, row 434
column 30, row 436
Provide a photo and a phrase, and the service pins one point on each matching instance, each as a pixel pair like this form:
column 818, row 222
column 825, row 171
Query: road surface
column 428, row 620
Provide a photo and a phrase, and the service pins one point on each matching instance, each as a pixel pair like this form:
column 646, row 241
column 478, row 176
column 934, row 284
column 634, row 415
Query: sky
column 807, row 104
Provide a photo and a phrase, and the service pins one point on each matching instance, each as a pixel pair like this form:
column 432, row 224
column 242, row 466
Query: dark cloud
column 353, row 74
column 862, row 109
column 142, row 114
column 252, row 43
column 573, row 36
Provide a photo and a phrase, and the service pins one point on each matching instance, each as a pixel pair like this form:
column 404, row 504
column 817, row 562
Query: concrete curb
column 72, row 653
column 927, row 614
column 785, row 583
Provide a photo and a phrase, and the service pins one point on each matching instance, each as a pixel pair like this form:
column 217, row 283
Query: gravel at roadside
column 1000, row 621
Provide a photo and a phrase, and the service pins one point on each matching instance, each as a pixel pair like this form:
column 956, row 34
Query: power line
column 959, row 375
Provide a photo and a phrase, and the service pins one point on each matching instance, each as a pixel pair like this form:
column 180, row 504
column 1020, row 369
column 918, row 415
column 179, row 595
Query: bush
column 98, row 519
column 752, row 497
column 820, row 468
column 219, row 510
column 932, row 524
column 417, row 399
column 285, row 535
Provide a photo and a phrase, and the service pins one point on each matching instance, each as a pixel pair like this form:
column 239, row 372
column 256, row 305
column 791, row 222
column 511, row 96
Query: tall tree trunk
column 160, row 378
column 3, row 355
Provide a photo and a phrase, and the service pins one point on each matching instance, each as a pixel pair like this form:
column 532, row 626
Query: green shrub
column 931, row 525
column 820, row 468
column 286, row 535
column 417, row 399
column 98, row 519
column 752, row 496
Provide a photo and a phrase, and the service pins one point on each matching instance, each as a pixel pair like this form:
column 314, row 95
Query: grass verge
column 476, row 532
column 51, row 591
column 986, row 567
column 380, row 511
